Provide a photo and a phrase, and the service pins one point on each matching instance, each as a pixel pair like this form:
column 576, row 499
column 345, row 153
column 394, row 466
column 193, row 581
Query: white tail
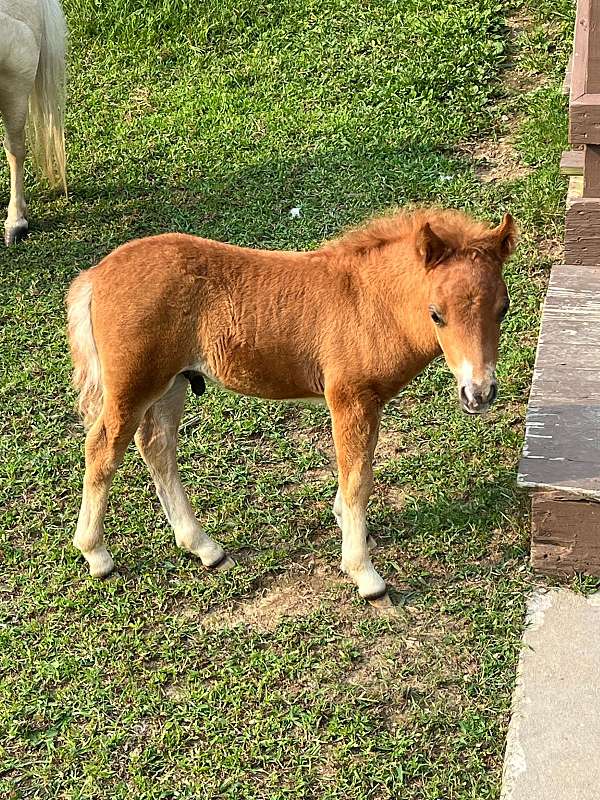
column 47, row 101
column 87, row 375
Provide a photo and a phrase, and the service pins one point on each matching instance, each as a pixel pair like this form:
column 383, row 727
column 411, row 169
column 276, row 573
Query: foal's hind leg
column 14, row 114
column 156, row 440
column 105, row 447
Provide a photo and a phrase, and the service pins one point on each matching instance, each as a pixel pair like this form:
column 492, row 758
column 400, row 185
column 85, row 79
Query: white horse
column 32, row 77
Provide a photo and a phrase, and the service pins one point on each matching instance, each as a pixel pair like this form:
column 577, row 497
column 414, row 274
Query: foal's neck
column 396, row 277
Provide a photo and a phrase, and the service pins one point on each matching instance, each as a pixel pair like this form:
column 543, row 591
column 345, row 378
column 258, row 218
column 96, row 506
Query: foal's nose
column 476, row 398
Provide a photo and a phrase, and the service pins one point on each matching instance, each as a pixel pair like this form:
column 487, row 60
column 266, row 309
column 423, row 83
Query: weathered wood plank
column 582, row 232
column 574, row 190
column 562, row 437
column 580, row 49
column 593, row 57
column 571, row 162
column 565, row 534
column 584, row 119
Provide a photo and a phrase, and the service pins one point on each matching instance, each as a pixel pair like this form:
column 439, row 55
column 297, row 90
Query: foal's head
column 467, row 301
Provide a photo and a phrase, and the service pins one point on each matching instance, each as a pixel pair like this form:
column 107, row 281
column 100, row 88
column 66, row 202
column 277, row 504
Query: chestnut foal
column 353, row 322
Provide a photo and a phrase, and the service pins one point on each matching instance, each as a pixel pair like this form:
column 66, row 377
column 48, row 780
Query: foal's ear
column 503, row 239
column 432, row 249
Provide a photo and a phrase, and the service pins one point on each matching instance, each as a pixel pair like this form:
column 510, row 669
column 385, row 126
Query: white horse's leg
column 14, row 114
column 156, row 440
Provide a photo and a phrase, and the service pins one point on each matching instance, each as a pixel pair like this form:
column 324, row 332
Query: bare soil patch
column 298, row 593
column 497, row 160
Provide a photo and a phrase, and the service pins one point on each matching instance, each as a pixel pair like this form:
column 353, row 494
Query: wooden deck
column 562, row 439
column 561, row 456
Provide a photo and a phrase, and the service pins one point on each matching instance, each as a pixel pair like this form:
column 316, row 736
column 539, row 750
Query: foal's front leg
column 355, row 417
column 338, row 505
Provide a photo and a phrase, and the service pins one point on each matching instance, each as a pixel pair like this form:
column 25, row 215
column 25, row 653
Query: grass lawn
column 274, row 680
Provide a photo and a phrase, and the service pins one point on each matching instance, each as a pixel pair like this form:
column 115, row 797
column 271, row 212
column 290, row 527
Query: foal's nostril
column 493, row 393
column 463, row 396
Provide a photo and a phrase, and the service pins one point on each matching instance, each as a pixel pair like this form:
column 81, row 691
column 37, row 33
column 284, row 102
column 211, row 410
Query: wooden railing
column 582, row 230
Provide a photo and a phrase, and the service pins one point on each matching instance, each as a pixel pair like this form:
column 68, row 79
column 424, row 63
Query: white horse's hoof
column 100, row 562
column 15, row 233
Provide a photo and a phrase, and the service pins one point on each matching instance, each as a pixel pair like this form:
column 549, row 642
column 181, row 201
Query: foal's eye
column 435, row 315
column 504, row 309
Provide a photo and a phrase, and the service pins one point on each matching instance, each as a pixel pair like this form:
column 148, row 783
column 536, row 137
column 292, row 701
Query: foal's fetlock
column 223, row 564
column 100, row 562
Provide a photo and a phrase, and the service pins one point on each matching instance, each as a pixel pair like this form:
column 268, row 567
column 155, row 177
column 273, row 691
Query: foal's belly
column 256, row 376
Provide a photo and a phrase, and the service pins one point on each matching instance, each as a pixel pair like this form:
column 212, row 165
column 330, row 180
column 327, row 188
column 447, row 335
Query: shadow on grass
column 455, row 534
column 250, row 205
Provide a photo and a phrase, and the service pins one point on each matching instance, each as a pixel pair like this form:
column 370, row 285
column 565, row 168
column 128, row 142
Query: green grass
column 217, row 118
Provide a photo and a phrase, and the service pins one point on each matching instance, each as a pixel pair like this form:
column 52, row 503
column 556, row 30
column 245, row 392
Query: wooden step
column 562, row 439
column 571, row 162
column 561, row 455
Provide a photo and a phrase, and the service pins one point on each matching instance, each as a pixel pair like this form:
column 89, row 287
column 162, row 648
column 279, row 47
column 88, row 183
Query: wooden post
column 591, row 171
column 582, row 232
column 584, row 116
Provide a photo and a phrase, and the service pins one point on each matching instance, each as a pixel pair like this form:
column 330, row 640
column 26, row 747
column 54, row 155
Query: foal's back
column 256, row 321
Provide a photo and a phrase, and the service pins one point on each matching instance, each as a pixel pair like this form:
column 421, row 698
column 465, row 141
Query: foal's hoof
column 14, row 234
column 222, row 564
column 381, row 603
column 100, row 563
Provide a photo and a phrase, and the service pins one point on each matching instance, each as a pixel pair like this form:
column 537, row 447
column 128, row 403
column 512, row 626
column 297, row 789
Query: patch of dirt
column 296, row 594
column 497, row 161
column 395, row 497
column 376, row 664
column 513, row 77
column 318, row 475
column 390, row 446
column 552, row 249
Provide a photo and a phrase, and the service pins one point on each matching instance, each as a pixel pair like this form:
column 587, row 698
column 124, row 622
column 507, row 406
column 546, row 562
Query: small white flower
column 295, row 212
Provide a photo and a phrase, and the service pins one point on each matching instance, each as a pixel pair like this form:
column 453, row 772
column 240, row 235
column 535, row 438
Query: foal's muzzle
column 477, row 399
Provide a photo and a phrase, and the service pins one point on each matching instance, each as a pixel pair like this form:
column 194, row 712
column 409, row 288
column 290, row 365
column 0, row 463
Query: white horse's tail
column 47, row 100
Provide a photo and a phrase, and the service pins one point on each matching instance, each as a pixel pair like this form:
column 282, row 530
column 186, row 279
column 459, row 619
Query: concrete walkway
column 553, row 745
